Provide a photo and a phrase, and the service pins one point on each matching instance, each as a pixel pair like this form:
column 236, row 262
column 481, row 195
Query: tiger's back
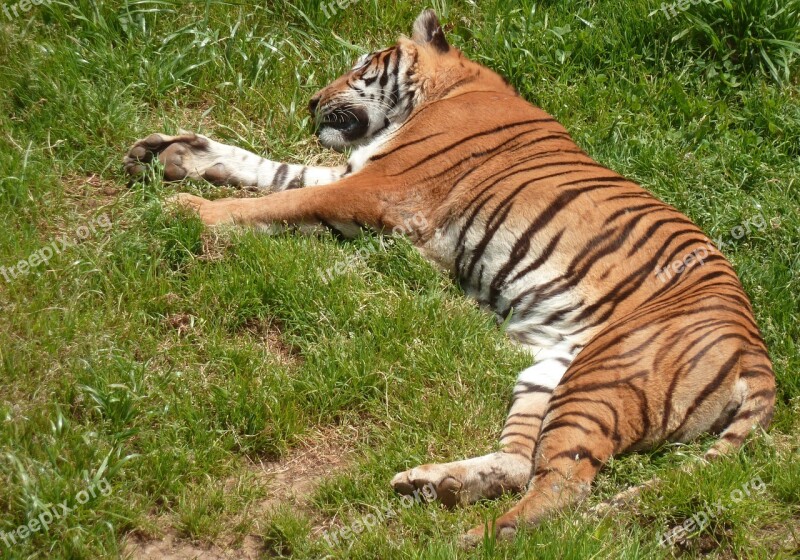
column 562, row 249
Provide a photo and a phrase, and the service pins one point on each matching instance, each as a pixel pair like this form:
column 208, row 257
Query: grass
column 171, row 362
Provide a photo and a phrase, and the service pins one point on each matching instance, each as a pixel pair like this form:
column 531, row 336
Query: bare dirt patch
column 89, row 194
column 293, row 479
column 181, row 322
column 215, row 245
column 87, row 201
column 172, row 548
column 270, row 333
column 780, row 538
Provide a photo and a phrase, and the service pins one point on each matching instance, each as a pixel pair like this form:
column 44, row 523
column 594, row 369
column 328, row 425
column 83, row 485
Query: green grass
column 138, row 356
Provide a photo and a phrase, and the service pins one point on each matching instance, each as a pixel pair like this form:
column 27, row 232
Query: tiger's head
column 383, row 88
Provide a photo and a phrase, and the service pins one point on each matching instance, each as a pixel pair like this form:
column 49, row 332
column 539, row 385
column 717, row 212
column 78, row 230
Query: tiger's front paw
column 211, row 212
column 180, row 155
column 186, row 201
column 488, row 531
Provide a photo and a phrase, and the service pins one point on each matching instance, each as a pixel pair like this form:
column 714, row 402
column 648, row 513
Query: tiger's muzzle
column 350, row 123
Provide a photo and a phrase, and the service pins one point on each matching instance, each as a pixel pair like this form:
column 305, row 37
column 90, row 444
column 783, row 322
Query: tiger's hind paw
column 466, row 482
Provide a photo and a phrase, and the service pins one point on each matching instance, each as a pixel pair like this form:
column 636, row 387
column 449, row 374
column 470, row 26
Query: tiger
column 564, row 251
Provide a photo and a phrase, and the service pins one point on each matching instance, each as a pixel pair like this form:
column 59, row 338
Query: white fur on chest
column 360, row 156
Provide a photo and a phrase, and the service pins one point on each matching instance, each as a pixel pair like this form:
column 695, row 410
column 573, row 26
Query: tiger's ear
column 428, row 31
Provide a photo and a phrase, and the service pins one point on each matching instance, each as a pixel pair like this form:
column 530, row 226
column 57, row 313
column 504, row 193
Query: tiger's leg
column 663, row 374
column 567, row 461
column 580, row 431
column 752, row 399
column 346, row 207
column 356, row 201
column 193, row 156
column 508, row 470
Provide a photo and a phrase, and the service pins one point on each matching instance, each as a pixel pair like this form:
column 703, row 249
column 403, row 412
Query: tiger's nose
column 313, row 104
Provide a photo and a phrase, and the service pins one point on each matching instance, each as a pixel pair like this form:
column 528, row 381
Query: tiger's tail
column 756, row 408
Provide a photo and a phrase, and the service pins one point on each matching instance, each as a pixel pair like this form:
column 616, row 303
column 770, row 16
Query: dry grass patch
column 292, row 480
column 288, row 482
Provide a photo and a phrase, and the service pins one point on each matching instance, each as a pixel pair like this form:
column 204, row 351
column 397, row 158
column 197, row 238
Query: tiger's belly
column 529, row 295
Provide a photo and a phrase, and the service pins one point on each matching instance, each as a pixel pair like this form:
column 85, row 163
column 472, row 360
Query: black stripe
column 588, row 416
column 655, row 226
column 394, row 149
column 385, row 73
column 502, row 148
column 298, row 181
column 396, row 84
column 756, row 371
column 512, row 423
column 733, row 438
column 597, row 386
column 564, row 424
column 333, row 229
column 627, row 286
column 581, row 452
column 526, row 453
column 518, row 434
column 707, row 391
column 457, row 84
column 568, row 399
column 687, row 367
column 461, row 141
column 539, row 472
column 531, row 388
column 526, row 415
column 540, row 260
column 631, row 209
column 280, row 175
column 510, row 171
column 523, row 243
column 768, row 394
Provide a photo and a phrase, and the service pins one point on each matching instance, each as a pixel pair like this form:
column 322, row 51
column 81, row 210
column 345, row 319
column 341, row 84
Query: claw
column 185, row 201
column 477, row 535
column 402, row 484
column 468, row 541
